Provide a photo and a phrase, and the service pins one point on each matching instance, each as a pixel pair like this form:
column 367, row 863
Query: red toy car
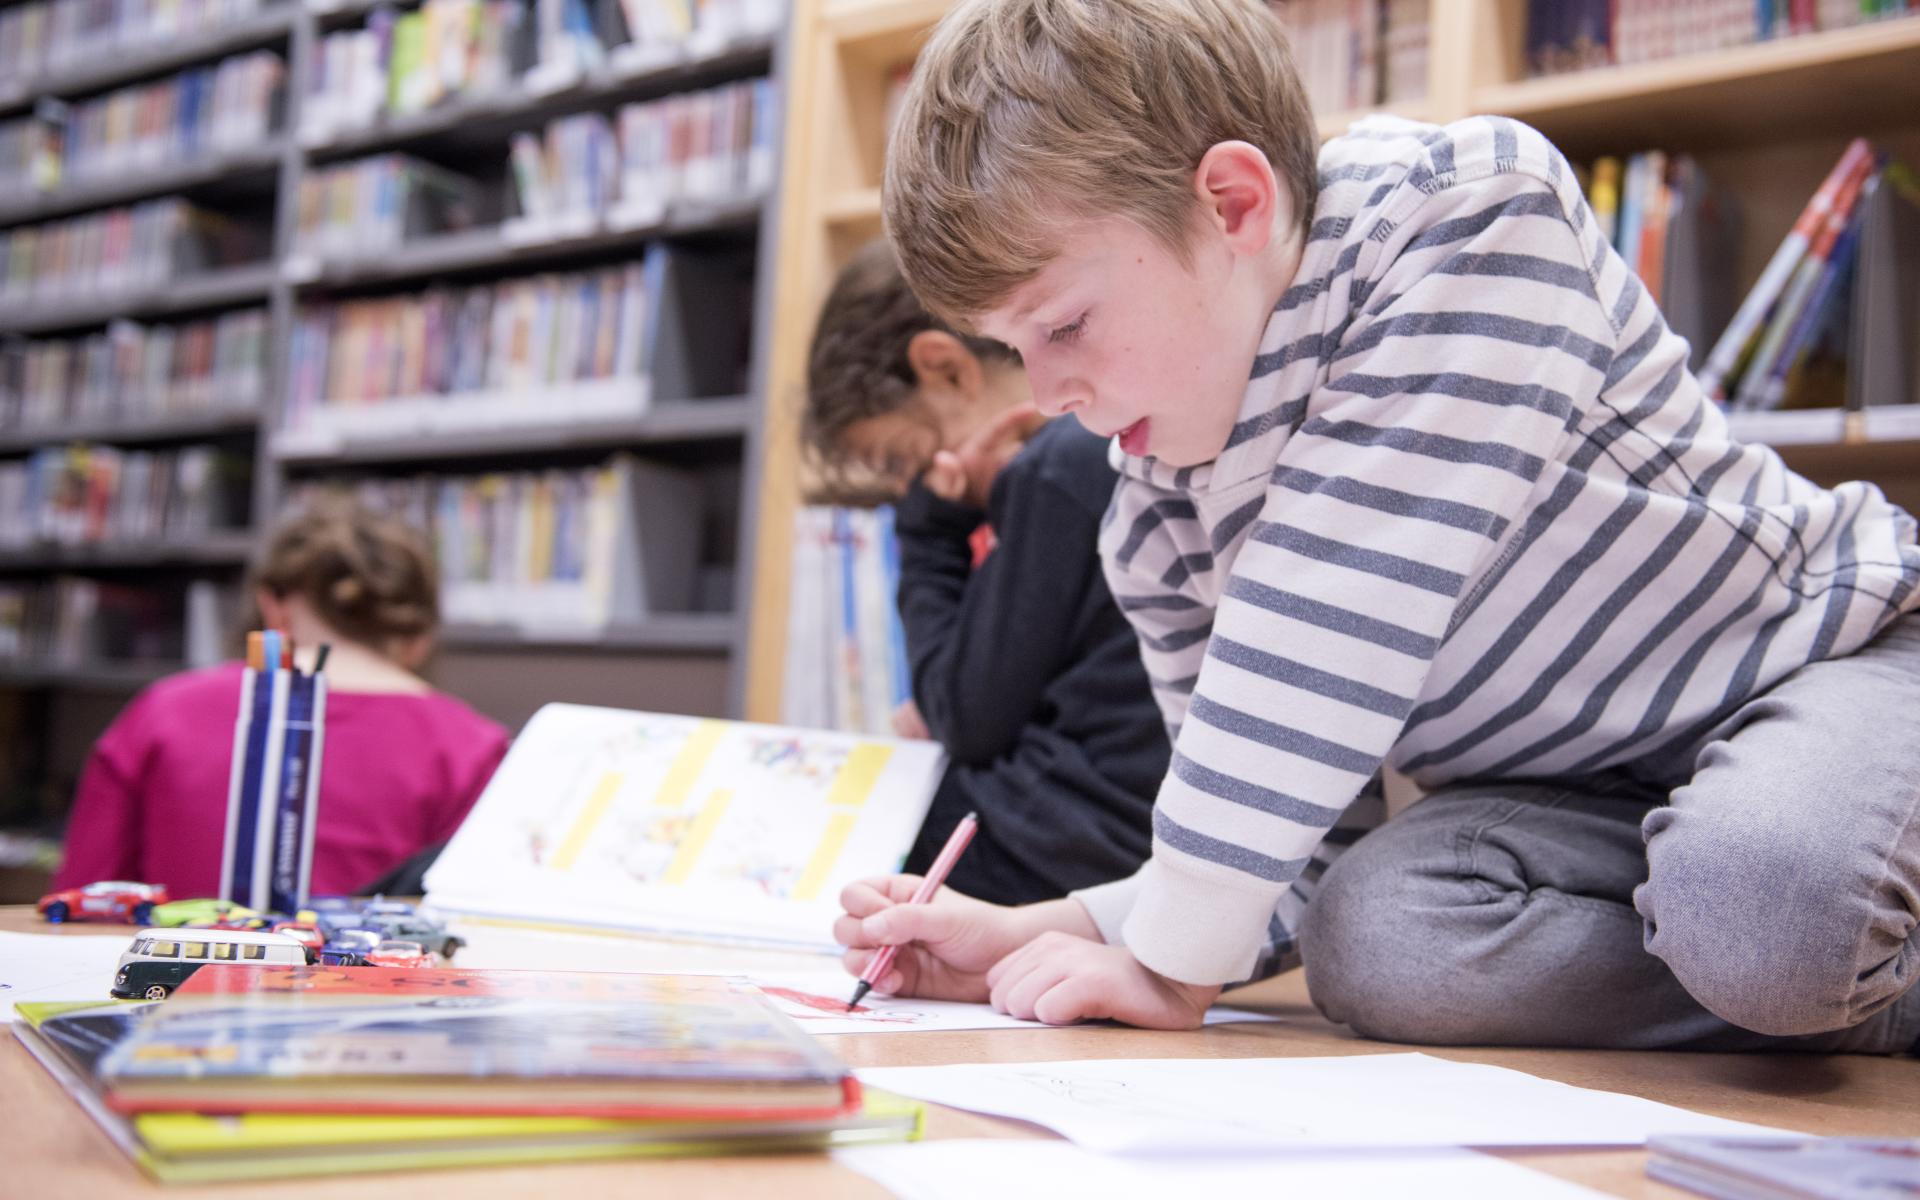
column 306, row 935
column 109, row 900
column 395, row 953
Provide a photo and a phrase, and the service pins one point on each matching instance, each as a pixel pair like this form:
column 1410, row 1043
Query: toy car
column 160, row 960
column 399, row 954
column 108, row 900
column 349, row 948
column 206, row 914
column 413, row 927
column 306, row 934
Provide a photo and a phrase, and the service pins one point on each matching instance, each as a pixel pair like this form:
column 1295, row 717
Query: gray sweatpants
column 1768, row 901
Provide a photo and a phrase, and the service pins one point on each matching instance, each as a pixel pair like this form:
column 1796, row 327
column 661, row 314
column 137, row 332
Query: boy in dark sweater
column 1022, row 666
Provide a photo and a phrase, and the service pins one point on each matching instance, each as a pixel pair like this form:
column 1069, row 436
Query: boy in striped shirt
column 1413, row 476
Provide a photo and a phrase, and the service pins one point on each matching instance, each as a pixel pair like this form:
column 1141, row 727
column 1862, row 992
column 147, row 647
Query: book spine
column 1854, row 163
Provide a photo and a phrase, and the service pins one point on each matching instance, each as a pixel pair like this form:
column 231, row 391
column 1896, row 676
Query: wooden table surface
column 49, row 1148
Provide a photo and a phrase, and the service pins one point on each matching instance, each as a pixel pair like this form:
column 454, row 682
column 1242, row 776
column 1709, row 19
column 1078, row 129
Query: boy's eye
column 1067, row 333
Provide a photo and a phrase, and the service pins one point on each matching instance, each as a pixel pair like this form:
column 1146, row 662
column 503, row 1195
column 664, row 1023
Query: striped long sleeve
column 1476, row 521
column 1442, row 402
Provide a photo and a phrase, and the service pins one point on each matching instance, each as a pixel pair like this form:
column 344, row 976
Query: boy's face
column 1119, row 333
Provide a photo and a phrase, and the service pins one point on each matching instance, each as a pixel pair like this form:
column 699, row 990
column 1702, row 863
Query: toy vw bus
column 160, row 960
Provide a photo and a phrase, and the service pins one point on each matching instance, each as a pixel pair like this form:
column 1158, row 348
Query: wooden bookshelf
column 1767, row 120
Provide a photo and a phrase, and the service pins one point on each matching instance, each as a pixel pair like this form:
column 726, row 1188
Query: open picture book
column 684, row 826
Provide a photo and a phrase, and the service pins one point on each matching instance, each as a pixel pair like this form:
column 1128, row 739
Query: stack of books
column 49, row 36
column 1830, row 322
column 70, row 621
column 132, row 372
column 251, row 1072
column 82, row 495
column 1359, row 53
column 374, row 205
column 846, row 663
column 1574, row 35
column 543, row 349
column 405, row 62
column 576, row 549
column 120, row 249
column 196, row 115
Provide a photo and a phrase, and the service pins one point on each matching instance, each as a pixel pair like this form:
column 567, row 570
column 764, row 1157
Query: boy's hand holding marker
column 1041, row 962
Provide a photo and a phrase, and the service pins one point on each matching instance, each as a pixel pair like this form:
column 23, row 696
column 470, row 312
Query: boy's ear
column 941, row 362
column 1240, row 196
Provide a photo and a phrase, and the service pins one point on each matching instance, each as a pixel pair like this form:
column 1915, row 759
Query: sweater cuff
column 1196, row 929
column 920, row 511
column 1108, row 904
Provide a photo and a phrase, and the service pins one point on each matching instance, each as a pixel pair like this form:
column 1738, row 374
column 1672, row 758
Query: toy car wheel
column 157, row 992
column 57, row 911
column 449, row 946
column 143, row 912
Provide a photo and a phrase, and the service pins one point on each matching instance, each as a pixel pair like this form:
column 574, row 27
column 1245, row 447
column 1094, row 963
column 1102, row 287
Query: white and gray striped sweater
column 1476, row 520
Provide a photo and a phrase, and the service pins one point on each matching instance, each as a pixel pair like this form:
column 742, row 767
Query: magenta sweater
column 399, row 774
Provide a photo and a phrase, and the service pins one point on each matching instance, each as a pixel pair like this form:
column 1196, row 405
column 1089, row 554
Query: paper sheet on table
column 818, row 1001
column 45, row 966
column 1007, row 1169
column 1173, row 1106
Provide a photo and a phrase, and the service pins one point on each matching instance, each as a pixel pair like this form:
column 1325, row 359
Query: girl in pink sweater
column 403, row 763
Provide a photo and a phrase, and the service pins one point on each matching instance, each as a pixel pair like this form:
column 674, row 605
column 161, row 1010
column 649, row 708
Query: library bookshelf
column 697, row 412
column 1766, row 120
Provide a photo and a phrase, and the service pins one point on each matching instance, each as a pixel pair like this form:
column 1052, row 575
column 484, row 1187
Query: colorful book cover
column 191, row 1147
column 370, row 1039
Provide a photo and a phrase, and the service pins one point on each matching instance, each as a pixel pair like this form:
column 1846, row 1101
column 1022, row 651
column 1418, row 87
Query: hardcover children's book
column 379, row 1040
column 684, row 826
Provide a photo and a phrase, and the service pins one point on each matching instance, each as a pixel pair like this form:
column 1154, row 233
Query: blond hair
column 1025, row 117
column 368, row 575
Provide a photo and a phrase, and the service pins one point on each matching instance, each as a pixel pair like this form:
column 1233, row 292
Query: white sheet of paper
column 966, row 1169
column 1175, row 1106
column 818, row 1001
column 45, row 966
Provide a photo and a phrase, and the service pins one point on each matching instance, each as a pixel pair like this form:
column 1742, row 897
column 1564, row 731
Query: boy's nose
column 1061, row 395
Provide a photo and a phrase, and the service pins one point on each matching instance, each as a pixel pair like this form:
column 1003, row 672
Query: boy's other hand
column 965, row 473
column 946, row 944
column 908, row 723
column 1060, row 978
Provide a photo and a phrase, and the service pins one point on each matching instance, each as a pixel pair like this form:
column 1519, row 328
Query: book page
column 685, row 825
column 1208, row 1106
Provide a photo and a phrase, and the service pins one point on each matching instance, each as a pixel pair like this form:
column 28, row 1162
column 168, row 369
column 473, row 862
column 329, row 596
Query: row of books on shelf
column 84, row 494
column 1831, row 321
column 119, row 249
column 1677, row 231
column 194, row 116
column 572, row 179
column 132, row 372
column 70, row 621
column 399, row 63
column 568, row 549
column 1574, row 35
column 43, row 36
column 694, row 148
column 405, row 62
column 846, row 665
column 1359, row 53
column 544, row 348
